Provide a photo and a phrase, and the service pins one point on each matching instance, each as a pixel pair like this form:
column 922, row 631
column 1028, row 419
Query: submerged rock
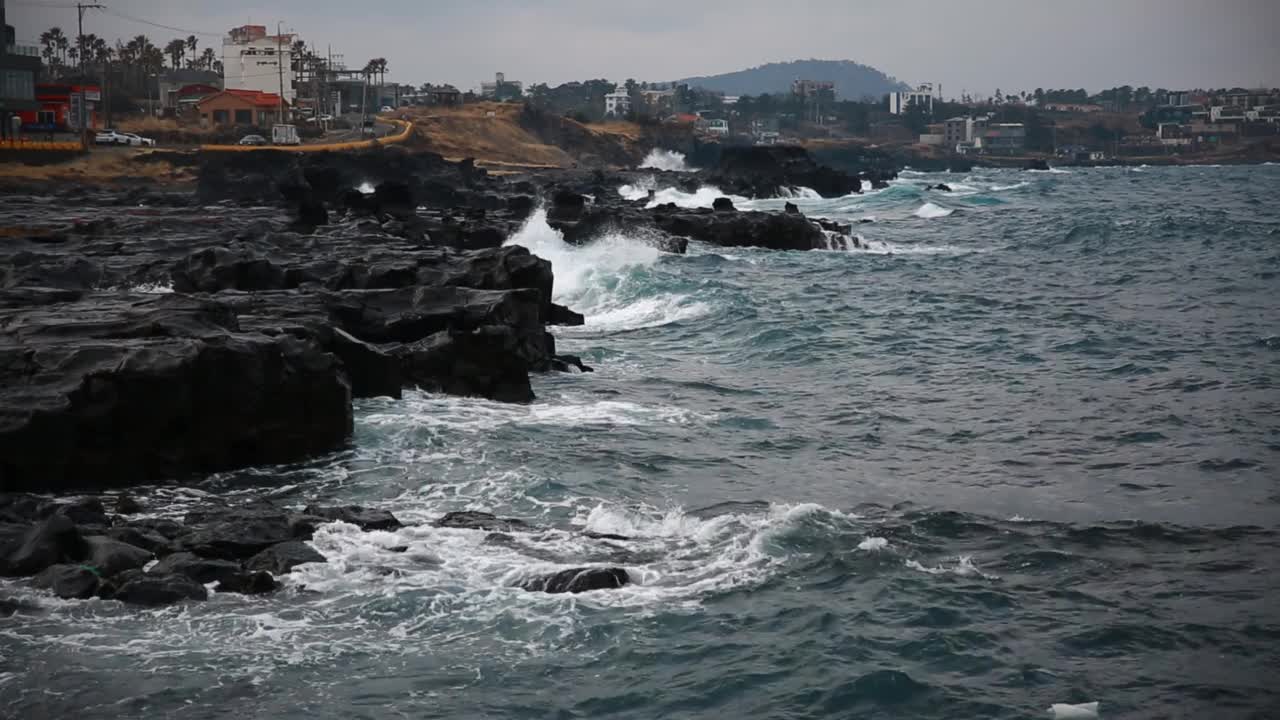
column 579, row 580
column 248, row 583
column 471, row 520
column 364, row 518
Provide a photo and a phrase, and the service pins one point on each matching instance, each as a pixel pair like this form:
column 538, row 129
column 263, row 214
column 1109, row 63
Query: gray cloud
column 980, row 46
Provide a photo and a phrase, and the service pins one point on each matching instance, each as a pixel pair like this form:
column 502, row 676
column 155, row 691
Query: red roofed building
column 240, row 107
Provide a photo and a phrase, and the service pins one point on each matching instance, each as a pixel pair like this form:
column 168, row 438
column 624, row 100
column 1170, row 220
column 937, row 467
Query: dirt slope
column 506, row 135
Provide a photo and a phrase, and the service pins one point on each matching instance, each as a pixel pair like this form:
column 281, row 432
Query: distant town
column 259, row 77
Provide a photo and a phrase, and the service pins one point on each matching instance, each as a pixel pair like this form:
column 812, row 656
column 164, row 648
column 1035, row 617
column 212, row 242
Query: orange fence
column 40, row 145
column 406, row 129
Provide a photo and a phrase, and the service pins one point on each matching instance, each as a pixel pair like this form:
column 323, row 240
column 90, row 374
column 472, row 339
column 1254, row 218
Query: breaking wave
column 929, row 211
column 611, row 280
column 668, row 160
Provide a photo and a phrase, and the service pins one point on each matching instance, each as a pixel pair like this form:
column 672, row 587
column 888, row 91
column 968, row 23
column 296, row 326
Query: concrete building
column 58, row 108
column 617, row 104
column 900, row 102
column 252, row 60
column 1002, row 139
column 961, row 129
column 715, row 126
column 501, row 88
column 19, row 66
column 249, row 108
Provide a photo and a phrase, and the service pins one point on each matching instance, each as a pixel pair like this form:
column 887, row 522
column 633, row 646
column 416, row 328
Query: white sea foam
column 1002, row 188
column 1082, row 711
column 799, row 193
column 366, row 188
column 1052, row 171
column 155, row 288
column 640, row 189
column 964, row 567
column 668, row 160
column 930, row 211
column 703, row 197
column 873, row 544
column 595, row 279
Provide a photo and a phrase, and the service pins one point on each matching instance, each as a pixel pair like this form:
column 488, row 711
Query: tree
column 192, row 42
column 177, row 52
column 207, row 59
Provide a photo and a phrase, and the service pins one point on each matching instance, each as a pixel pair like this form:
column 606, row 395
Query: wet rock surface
column 248, row 548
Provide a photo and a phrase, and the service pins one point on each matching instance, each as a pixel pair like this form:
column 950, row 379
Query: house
column 186, row 98
column 1227, row 113
column 900, row 102
column 170, row 85
column 19, row 66
column 1072, row 107
column 811, row 88
column 253, row 60
column 58, row 108
column 714, row 126
column 240, row 107
column 617, row 103
column 442, row 95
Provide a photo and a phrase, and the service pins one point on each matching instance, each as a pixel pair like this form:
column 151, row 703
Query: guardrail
column 406, row 129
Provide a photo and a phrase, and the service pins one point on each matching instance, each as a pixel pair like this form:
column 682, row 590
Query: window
column 244, row 117
column 46, row 117
column 221, row 117
column 17, row 84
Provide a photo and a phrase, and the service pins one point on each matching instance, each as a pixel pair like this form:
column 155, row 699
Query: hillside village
column 259, row 78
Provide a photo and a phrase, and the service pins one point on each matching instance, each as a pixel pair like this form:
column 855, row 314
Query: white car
column 387, row 108
column 139, row 141
column 115, row 137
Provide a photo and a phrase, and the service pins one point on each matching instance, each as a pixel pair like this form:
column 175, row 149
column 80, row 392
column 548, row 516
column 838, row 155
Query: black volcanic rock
column 364, row 518
column 282, row 558
column 577, row 580
column 472, row 520
column 765, row 171
column 53, row 541
column 70, row 582
column 136, row 587
column 201, row 570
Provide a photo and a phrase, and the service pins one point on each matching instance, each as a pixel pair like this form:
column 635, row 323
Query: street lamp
column 151, row 108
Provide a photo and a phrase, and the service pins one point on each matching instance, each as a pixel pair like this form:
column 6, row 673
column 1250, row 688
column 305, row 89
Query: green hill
column 853, row 80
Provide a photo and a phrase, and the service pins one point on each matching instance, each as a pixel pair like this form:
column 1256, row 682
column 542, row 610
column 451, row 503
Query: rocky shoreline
column 173, row 334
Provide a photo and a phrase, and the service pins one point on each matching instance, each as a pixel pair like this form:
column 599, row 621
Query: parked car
column 253, row 140
column 139, row 141
column 387, row 108
column 108, row 137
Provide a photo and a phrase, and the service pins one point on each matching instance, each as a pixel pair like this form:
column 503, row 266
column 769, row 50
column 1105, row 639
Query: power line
column 162, row 26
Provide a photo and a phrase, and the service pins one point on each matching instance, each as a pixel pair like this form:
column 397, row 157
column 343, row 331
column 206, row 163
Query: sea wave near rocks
column 1015, row 454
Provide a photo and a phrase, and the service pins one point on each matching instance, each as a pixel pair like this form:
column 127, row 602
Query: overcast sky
column 975, row 46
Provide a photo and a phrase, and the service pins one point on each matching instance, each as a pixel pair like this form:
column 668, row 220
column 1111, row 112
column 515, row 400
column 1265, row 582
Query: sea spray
column 669, row 160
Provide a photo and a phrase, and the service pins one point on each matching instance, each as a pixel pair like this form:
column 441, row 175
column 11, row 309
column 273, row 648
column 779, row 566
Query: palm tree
column 61, row 43
column 192, row 42
column 176, row 50
column 207, row 58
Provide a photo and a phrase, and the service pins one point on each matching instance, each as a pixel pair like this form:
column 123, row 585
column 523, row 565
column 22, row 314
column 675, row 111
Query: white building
column 501, row 88
column 617, row 103
column 254, row 60
column 921, row 96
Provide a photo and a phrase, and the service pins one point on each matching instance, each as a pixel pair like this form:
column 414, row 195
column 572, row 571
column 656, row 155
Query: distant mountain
column 853, row 80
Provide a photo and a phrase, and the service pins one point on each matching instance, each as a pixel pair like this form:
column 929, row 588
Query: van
column 285, row 135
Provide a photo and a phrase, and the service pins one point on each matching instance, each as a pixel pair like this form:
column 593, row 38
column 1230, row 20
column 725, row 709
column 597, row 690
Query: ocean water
column 1021, row 451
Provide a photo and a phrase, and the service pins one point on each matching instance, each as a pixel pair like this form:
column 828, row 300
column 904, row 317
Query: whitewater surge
column 929, row 211
column 609, row 280
column 668, row 160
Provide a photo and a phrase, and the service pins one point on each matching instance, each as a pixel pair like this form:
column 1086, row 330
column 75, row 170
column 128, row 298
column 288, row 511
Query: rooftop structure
column 900, row 102
column 254, row 60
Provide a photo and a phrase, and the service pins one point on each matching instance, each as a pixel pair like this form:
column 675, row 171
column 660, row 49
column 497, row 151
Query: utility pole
column 280, row 67
column 80, row 8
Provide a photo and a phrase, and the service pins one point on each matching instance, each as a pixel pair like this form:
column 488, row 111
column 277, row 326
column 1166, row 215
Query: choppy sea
column 1023, row 450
